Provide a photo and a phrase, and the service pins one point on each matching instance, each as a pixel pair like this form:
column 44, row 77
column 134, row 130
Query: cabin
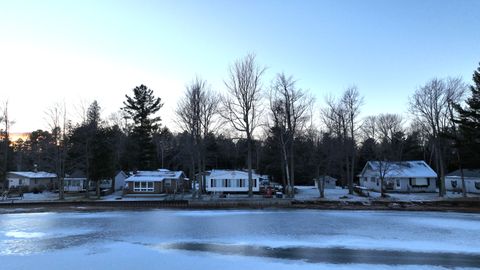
column 120, row 177
column 402, row 176
column 330, row 182
column 31, row 180
column 230, row 181
column 75, row 182
column 453, row 181
column 156, row 182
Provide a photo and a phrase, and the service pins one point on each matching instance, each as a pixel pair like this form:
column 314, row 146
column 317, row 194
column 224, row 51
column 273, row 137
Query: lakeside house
column 75, row 182
column 330, row 182
column 230, row 181
column 453, row 181
column 31, row 180
column 156, row 182
column 403, row 176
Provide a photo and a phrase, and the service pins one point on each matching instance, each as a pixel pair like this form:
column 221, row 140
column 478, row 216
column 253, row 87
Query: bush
column 38, row 189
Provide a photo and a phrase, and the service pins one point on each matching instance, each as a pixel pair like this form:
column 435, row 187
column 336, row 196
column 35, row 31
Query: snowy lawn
column 311, row 193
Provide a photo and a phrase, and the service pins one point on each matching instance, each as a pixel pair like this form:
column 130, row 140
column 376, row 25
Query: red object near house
column 268, row 192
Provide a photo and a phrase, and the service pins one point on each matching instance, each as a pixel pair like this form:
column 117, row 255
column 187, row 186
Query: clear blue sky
column 84, row 50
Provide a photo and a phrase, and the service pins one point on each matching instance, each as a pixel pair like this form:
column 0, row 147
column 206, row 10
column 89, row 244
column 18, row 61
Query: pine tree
column 469, row 123
column 142, row 108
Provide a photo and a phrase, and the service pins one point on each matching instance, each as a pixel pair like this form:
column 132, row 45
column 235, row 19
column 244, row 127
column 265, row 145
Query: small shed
column 453, row 181
column 120, row 177
column 330, row 182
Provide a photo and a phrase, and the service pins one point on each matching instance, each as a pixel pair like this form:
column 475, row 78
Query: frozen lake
column 164, row 239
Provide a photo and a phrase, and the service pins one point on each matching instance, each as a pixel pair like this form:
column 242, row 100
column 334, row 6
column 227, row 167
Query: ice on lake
column 164, row 239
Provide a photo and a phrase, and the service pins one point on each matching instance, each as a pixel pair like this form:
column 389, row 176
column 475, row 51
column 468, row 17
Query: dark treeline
column 273, row 129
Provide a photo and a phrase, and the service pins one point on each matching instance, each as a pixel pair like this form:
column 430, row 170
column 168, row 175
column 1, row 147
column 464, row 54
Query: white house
column 330, row 182
column 120, row 180
column 159, row 181
column 31, row 180
column 404, row 176
column 453, row 181
column 75, row 182
column 230, row 181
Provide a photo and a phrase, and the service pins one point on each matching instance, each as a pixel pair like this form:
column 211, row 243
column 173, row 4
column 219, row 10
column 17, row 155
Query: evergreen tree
column 142, row 108
column 469, row 124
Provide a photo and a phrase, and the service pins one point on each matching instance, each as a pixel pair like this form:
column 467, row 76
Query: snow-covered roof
column 409, row 169
column 327, row 177
column 34, row 174
column 155, row 176
column 466, row 173
column 231, row 174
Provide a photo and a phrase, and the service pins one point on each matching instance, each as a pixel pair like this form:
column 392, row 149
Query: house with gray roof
column 156, row 182
column 75, row 182
column 401, row 176
column 30, row 180
column 453, row 181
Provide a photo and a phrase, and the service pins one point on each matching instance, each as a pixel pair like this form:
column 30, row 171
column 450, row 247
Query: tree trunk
column 249, row 165
column 87, row 189
column 97, row 189
column 322, row 187
column 382, row 190
column 464, row 188
column 352, row 169
column 292, row 171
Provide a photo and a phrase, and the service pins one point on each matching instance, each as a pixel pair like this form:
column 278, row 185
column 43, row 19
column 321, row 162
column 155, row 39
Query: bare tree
column 334, row 118
column 383, row 168
column 430, row 105
column 5, row 136
column 290, row 107
column 196, row 113
column 242, row 102
column 56, row 117
column 352, row 101
column 388, row 125
column 455, row 92
column 369, row 127
column 340, row 116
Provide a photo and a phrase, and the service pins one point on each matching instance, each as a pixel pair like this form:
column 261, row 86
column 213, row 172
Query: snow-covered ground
column 305, row 239
column 303, row 193
column 312, row 193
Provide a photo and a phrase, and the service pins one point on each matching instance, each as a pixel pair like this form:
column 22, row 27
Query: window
column 143, row 187
column 227, row 183
column 477, row 185
column 255, row 182
column 454, row 183
column 419, row 182
column 398, row 182
column 212, row 183
column 241, row 182
column 372, row 179
column 20, row 182
column 168, row 183
column 378, row 183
